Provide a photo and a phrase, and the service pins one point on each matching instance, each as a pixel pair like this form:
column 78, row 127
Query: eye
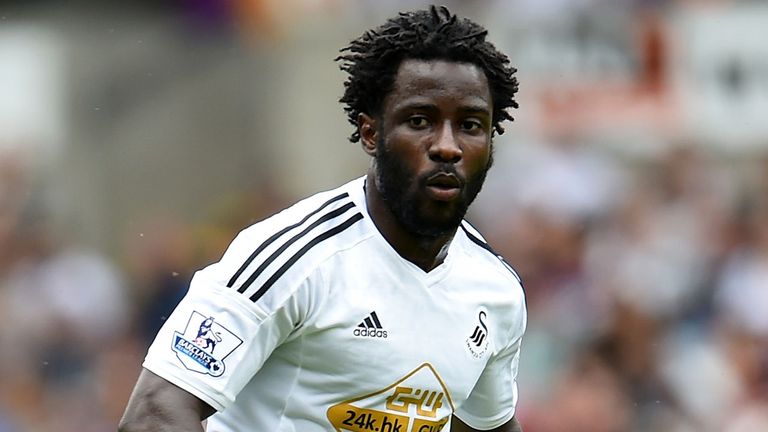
column 471, row 126
column 418, row 122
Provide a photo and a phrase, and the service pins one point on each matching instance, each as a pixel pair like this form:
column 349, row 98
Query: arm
column 511, row 426
column 158, row 405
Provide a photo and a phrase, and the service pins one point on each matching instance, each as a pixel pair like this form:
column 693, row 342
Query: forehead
column 418, row 79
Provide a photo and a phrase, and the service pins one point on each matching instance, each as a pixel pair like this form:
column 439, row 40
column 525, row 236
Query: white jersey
column 311, row 321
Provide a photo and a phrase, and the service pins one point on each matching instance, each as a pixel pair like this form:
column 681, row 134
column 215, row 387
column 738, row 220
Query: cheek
column 478, row 155
column 406, row 148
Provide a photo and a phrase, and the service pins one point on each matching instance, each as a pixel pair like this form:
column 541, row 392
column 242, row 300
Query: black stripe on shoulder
column 475, row 239
column 320, row 238
column 277, row 235
column 330, row 215
column 478, row 241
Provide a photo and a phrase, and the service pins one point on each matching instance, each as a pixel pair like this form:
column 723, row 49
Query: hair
column 373, row 59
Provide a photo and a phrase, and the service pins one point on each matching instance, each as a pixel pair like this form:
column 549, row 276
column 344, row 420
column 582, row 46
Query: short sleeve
column 217, row 339
column 493, row 400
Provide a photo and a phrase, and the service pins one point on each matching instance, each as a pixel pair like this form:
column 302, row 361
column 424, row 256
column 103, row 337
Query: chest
column 389, row 341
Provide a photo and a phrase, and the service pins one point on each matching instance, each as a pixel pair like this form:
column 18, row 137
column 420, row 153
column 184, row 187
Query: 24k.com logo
column 419, row 402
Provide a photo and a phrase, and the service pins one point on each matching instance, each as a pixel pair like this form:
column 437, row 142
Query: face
column 432, row 144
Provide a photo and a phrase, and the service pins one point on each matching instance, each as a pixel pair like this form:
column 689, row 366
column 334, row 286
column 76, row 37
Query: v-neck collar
column 427, row 277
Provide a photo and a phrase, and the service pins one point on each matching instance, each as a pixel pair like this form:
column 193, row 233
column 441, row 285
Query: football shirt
column 311, row 321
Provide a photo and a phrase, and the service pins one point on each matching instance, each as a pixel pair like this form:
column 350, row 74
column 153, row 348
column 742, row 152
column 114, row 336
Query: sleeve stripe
column 320, row 238
column 277, row 235
column 330, row 215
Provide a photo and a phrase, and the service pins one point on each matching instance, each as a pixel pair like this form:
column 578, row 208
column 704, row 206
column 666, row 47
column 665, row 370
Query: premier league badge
column 204, row 345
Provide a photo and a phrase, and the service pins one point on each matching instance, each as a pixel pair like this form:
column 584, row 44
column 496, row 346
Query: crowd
column 77, row 322
column 647, row 286
column 645, row 280
column 646, row 276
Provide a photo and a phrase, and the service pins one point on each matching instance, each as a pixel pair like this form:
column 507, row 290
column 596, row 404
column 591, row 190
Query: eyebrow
column 472, row 108
column 476, row 108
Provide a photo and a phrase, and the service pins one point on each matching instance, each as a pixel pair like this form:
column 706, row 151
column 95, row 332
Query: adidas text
column 370, row 333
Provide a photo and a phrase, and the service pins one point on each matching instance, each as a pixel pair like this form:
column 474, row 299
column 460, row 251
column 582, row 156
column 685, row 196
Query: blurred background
column 631, row 192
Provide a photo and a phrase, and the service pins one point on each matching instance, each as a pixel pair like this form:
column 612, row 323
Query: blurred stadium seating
column 630, row 193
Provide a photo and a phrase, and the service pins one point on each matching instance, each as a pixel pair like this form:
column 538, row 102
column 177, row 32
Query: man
column 372, row 307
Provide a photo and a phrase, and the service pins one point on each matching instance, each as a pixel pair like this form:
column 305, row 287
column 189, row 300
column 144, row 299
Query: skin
column 437, row 119
column 437, row 113
column 157, row 405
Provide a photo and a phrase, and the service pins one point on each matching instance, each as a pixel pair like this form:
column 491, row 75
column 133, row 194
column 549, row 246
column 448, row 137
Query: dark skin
column 157, row 405
column 437, row 113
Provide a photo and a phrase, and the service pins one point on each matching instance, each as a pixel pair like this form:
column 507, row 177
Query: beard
column 401, row 191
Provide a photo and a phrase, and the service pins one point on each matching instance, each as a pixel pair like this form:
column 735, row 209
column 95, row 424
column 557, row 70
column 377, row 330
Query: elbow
column 133, row 422
column 125, row 425
column 128, row 424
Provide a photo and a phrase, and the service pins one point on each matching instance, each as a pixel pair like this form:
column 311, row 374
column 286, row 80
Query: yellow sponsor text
column 346, row 417
column 420, row 425
column 426, row 402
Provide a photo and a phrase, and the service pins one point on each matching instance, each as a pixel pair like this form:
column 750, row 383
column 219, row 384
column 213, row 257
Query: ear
column 366, row 126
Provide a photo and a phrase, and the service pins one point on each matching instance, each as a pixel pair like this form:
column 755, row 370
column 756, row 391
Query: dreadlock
column 372, row 60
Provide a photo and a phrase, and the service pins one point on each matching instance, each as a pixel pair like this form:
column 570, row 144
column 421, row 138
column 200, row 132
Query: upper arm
column 217, row 339
column 511, row 426
column 157, row 404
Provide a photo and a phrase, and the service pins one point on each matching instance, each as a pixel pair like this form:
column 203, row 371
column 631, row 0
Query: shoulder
column 487, row 271
column 314, row 210
column 288, row 246
column 481, row 253
column 495, row 283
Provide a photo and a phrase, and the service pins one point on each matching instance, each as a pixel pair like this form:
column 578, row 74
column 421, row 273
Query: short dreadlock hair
column 372, row 60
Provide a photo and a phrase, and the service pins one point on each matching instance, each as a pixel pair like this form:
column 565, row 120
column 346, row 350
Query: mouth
column 443, row 186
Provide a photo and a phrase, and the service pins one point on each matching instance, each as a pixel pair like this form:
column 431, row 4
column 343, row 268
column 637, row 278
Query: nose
column 446, row 147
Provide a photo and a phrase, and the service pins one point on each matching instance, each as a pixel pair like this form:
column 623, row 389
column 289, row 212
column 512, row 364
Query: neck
column 426, row 252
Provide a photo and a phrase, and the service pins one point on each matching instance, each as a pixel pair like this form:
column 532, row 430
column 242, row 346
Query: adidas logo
column 370, row 327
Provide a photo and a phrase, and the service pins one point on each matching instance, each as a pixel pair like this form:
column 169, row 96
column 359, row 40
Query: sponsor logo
column 426, row 402
column 419, row 402
column 204, row 345
column 477, row 342
column 370, row 327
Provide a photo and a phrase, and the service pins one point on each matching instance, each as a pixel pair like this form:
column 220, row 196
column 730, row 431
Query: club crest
column 204, row 345
column 477, row 342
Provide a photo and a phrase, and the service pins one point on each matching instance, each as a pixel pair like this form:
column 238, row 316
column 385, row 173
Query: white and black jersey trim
column 329, row 220
column 322, row 237
column 264, row 264
column 478, row 241
column 277, row 235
